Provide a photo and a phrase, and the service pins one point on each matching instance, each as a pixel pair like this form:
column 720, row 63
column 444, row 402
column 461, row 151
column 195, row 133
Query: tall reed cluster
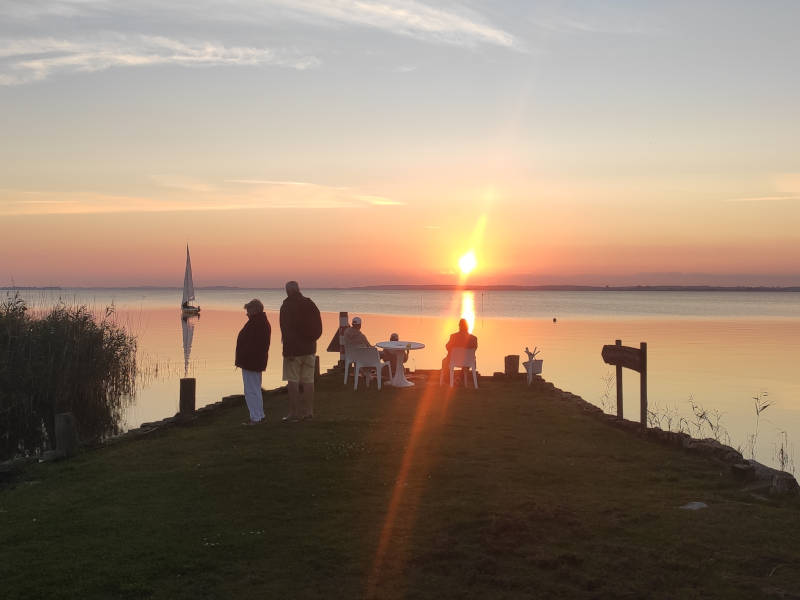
column 64, row 360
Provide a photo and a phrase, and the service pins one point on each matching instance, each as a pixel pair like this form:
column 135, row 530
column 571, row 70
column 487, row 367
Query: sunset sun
column 467, row 262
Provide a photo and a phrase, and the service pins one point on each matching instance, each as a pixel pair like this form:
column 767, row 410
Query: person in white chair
column 353, row 337
column 460, row 339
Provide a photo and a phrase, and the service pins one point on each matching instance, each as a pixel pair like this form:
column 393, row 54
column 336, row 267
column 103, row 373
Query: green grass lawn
column 504, row 492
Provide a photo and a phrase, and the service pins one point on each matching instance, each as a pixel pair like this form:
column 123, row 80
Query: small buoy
column 554, row 319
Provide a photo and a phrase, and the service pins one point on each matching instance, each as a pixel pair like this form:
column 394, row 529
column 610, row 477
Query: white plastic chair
column 462, row 357
column 368, row 358
column 348, row 360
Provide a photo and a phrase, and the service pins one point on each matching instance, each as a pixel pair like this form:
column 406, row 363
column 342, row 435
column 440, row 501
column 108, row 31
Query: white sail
column 188, row 284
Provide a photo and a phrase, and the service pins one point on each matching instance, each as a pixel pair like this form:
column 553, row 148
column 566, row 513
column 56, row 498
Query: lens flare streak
column 419, row 456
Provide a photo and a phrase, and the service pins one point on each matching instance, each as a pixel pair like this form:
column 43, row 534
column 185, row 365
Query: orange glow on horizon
column 86, row 251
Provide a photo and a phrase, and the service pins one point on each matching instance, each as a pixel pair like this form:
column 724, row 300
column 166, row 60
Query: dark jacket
column 301, row 325
column 252, row 345
column 461, row 339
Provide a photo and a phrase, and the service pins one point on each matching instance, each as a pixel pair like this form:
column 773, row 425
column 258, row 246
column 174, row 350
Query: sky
column 361, row 142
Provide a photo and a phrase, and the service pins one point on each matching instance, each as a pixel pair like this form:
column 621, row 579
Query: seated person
column 353, row 338
column 395, row 357
column 460, row 339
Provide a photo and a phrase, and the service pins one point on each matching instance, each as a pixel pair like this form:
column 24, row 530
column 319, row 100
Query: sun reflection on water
column 468, row 308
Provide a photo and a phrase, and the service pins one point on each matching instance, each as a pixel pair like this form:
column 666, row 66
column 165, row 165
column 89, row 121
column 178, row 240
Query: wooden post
column 512, row 365
column 343, row 324
column 618, row 369
column 187, row 398
column 66, row 434
column 643, row 384
column 316, row 368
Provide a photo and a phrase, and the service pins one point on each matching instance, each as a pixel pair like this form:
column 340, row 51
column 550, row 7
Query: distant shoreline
column 585, row 288
column 452, row 287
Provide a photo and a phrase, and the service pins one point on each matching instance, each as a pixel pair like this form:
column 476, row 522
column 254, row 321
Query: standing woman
column 252, row 348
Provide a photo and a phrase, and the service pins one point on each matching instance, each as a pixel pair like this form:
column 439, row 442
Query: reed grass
column 65, row 359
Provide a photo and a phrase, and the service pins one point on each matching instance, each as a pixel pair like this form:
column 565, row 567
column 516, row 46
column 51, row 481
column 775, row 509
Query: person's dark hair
column 463, row 325
column 292, row 287
column 255, row 306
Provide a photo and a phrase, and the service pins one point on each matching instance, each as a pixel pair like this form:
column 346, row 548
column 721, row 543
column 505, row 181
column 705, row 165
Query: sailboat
column 187, row 308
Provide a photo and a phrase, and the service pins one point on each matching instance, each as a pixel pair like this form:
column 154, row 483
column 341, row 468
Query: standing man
column 301, row 327
column 252, row 349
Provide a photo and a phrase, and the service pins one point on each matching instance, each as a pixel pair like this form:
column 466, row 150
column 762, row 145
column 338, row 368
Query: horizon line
column 443, row 287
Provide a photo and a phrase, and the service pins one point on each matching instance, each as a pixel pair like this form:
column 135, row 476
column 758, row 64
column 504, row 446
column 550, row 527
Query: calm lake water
column 717, row 349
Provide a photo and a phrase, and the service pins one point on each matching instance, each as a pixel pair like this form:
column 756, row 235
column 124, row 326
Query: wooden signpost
column 337, row 343
column 631, row 358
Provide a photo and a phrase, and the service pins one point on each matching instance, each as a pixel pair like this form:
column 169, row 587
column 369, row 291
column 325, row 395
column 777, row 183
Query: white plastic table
column 399, row 375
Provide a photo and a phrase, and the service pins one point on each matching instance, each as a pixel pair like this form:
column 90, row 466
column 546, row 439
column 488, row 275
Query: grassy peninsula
column 503, row 492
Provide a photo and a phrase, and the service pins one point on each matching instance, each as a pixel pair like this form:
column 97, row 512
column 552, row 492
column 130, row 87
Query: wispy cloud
column 764, row 199
column 274, row 182
column 94, row 35
column 183, row 183
column 27, row 60
column 379, row 201
column 779, row 187
column 292, row 192
column 84, row 204
column 188, row 195
column 26, row 10
column 26, row 202
column 458, row 25
column 407, row 17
